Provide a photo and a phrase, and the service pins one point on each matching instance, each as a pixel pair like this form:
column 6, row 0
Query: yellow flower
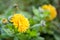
column 52, row 11
column 20, row 22
column 4, row 20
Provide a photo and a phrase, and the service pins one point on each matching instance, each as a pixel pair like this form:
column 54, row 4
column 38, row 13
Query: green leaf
column 8, row 12
column 26, row 14
column 57, row 37
column 33, row 33
column 6, row 33
column 36, row 12
column 15, row 38
column 46, row 13
column 32, row 22
column 36, row 19
column 10, row 26
column 40, row 38
column 36, row 27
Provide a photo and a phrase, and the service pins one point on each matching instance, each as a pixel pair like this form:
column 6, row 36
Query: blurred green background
column 26, row 5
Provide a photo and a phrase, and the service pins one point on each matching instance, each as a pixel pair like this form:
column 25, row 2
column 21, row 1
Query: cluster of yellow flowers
column 52, row 10
column 20, row 22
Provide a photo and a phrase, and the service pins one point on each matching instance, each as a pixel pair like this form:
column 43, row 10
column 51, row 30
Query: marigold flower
column 52, row 11
column 20, row 22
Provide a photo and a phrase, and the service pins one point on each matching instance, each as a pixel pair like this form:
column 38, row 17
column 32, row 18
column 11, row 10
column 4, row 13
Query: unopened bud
column 4, row 21
column 43, row 23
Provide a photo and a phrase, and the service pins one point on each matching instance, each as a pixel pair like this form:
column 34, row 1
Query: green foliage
column 38, row 24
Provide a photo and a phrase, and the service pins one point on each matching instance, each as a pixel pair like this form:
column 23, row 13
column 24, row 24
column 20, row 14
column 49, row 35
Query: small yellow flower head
column 4, row 21
column 52, row 11
column 20, row 22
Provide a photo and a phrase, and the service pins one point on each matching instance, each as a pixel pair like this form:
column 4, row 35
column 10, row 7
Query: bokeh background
column 26, row 5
